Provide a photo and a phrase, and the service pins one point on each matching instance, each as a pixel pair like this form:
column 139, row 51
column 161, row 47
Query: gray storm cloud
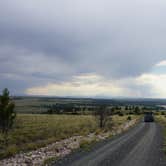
column 55, row 40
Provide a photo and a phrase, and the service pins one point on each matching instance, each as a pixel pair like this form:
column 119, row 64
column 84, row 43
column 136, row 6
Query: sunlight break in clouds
column 84, row 85
column 95, row 85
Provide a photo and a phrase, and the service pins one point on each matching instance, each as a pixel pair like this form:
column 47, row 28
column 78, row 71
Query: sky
column 83, row 48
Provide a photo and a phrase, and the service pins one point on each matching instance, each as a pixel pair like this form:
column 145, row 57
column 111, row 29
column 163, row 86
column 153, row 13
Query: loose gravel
column 60, row 148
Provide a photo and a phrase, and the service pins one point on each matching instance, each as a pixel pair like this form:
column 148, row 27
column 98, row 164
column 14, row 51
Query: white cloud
column 84, row 85
column 91, row 85
column 157, row 83
column 162, row 63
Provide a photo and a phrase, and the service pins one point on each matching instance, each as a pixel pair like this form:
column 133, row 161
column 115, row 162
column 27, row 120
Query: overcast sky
column 89, row 48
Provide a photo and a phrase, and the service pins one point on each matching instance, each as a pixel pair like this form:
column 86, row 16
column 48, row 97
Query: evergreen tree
column 7, row 113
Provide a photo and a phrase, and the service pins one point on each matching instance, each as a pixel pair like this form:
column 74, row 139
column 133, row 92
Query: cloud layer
column 47, row 44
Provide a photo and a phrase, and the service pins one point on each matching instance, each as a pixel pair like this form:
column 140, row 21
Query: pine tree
column 7, row 114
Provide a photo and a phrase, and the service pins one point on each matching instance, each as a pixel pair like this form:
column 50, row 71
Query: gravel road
column 140, row 146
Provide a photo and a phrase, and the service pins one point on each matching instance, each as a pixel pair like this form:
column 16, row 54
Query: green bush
column 129, row 118
column 120, row 114
column 162, row 113
column 49, row 161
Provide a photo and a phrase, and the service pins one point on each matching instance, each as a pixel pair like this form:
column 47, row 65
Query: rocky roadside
column 60, row 148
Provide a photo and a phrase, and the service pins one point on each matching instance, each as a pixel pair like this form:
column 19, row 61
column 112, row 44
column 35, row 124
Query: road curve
column 140, row 146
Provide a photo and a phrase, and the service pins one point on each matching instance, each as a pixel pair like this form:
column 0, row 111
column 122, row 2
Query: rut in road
column 140, row 146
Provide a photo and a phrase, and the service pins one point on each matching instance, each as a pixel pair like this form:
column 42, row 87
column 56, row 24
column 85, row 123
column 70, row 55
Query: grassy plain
column 32, row 131
column 35, row 104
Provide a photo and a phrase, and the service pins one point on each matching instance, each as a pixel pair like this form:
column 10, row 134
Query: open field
column 32, row 131
column 35, row 104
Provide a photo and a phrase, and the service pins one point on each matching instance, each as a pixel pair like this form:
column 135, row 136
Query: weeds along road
column 140, row 146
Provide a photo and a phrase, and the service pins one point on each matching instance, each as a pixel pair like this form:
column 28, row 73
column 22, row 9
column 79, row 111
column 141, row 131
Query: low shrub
column 129, row 118
column 86, row 144
column 49, row 161
column 121, row 114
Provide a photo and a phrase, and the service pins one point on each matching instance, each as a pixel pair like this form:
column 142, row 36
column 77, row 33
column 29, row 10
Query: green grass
column 49, row 161
column 162, row 120
column 86, row 145
column 32, row 131
column 119, row 120
column 33, row 104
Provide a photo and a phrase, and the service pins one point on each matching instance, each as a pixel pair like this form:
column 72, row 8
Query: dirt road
column 140, row 146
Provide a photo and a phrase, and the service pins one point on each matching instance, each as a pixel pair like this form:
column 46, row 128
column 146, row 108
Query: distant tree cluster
column 77, row 109
column 64, row 109
column 129, row 107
